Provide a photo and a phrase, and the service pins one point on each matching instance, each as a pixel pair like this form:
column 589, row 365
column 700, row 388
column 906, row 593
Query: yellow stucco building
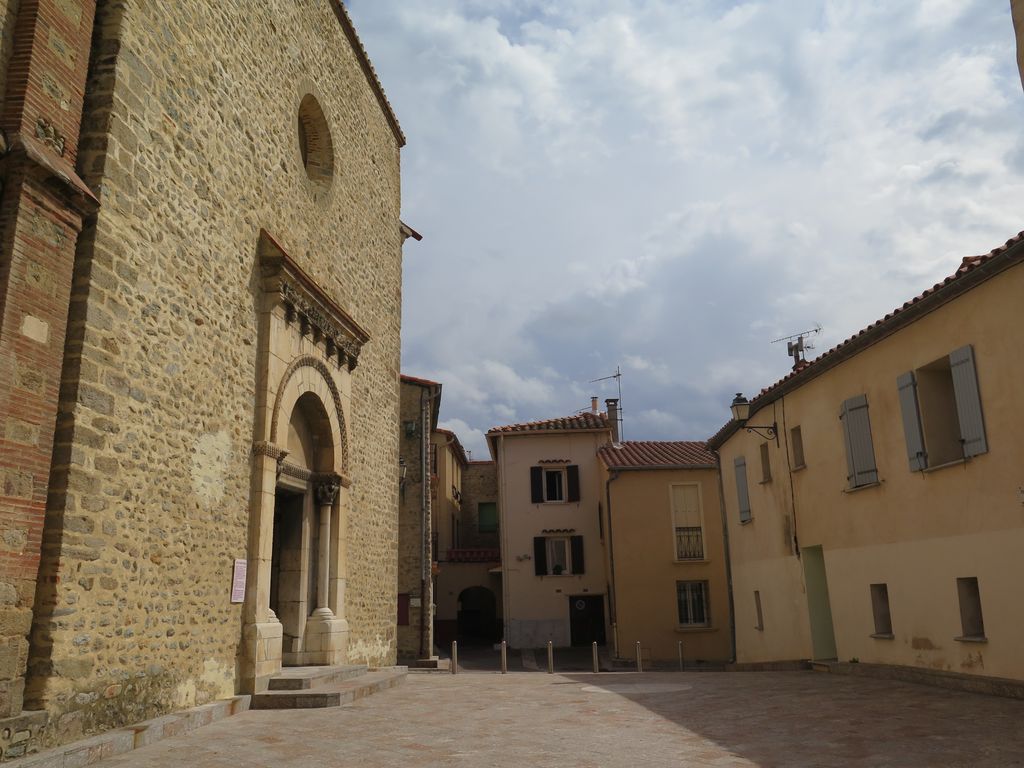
column 664, row 550
column 875, row 512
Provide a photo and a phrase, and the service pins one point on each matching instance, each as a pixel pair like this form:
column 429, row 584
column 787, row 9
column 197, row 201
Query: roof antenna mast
column 796, row 345
column 618, row 383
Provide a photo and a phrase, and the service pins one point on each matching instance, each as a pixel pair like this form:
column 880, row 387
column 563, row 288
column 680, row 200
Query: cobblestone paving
column 625, row 719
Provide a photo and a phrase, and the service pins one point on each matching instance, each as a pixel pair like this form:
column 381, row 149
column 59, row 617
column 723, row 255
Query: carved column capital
column 326, row 490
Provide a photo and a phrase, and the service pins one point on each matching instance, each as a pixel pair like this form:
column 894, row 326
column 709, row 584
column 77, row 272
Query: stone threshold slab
column 122, row 740
column 334, row 695
column 303, row 678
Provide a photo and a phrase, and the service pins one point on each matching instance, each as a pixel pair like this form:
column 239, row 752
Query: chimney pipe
column 593, row 404
column 612, row 404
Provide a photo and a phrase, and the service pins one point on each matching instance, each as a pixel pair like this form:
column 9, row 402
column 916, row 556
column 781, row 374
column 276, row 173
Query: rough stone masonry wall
column 190, row 142
column 479, row 483
column 410, row 525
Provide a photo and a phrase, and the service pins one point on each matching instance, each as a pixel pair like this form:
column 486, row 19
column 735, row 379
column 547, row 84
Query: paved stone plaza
column 624, row 719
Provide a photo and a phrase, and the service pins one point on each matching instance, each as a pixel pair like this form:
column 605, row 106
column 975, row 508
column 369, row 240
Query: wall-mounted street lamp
column 741, row 412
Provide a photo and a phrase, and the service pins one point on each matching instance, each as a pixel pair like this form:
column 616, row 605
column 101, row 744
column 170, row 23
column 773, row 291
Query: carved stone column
column 325, row 491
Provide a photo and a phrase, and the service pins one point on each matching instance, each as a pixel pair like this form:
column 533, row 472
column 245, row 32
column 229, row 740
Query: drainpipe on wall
column 728, row 559
column 425, row 554
column 612, row 603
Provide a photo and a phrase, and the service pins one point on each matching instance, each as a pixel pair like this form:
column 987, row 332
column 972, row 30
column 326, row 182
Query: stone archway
column 308, row 347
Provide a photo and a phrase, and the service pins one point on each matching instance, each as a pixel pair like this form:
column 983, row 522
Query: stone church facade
column 200, row 287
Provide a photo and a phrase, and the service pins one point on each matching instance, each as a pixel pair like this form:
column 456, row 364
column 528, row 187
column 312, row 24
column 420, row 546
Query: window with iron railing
column 689, row 543
column 687, row 522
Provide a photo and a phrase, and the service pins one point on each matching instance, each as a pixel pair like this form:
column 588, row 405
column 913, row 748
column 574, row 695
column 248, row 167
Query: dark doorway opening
column 287, row 590
column 478, row 616
column 586, row 619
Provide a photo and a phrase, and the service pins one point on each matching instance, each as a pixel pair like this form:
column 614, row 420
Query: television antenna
column 618, row 384
column 796, row 344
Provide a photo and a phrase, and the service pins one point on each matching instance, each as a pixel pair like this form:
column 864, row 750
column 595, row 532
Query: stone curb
column 122, row 740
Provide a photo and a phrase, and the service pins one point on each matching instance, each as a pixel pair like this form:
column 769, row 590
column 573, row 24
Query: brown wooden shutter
column 536, row 485
column 540, row 556
column 906, row 385
column 968, row 401
column 572, row 472
column 576, row 550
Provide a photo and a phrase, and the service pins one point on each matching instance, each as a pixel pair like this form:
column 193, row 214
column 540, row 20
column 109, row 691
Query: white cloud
column 668, row 186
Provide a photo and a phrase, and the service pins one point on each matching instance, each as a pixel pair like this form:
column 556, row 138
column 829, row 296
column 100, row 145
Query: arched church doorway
column 300, row 550
column 477, row 616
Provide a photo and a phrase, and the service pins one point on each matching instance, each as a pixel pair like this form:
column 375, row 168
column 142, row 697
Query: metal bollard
column 504, row 657
column 551, row 659
column 682, row 666
column 455, row 657
column 639, row 660
column 593, row 653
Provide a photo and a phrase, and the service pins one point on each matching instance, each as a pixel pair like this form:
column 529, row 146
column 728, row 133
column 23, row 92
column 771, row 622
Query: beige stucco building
column 552, row 563
column 880, row 520
column 664, row 550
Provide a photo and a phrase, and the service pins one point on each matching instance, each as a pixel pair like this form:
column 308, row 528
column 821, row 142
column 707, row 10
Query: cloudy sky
column 668, row 185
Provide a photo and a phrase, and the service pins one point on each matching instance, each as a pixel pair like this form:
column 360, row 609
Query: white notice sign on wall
column 238, row 581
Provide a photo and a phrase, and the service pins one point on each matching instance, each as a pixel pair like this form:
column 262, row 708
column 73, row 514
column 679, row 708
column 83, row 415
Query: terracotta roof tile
column 656, row 454
column 810, row 369
column 586, row 420
column 421, row 382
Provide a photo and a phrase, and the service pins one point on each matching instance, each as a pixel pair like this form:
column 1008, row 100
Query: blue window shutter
column 860, row 452
column 906, row 385
column 742, row 495
column 968, row 401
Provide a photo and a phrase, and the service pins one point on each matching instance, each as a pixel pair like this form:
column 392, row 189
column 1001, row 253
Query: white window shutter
column 860, row 452
column 968, row 401
column 906, row 384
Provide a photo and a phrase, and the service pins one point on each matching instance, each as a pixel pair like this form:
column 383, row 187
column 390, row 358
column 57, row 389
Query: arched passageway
column 477, row 616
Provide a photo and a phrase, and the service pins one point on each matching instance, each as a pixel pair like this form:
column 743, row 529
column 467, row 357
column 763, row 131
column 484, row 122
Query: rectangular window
column 487, row 517
column 941, row 409
column 766, row 465
column 557, row 555
column 860, row 451
column 433, row 459
column 757, row 608
column 692, row 600
column 796, row 439
column 554, row 485
column 972, row 625
column 687, row 523
column 880, row 609
column 742, row 496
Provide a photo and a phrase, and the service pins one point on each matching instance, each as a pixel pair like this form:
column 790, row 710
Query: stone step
column 822, row 666
column 304, row 678
column 333, row 695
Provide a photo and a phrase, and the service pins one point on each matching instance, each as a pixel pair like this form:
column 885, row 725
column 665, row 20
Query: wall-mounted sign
column 238, row 581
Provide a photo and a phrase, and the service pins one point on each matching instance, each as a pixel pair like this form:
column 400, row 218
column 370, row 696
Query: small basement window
column 880, row 609
column 971, row 623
